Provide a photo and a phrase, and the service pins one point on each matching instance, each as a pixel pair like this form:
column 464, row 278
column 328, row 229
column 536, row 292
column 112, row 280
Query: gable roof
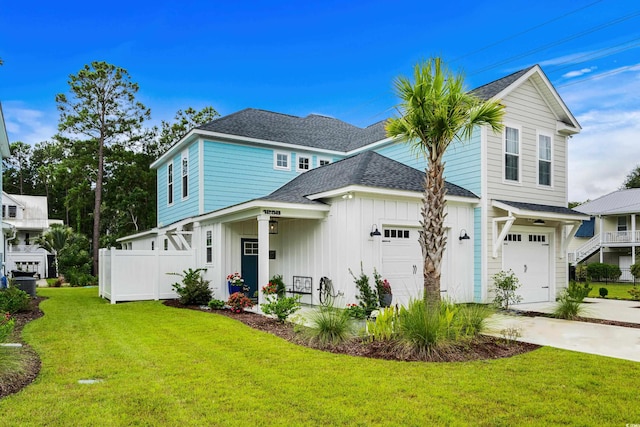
column 367, row 169
column 491, row 89
column 619, row 202
column 4, row 138
column 311, row 131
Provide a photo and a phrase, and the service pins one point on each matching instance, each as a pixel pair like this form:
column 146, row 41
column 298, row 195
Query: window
column 185, row 176
column 622, row 223
column 323, row 162
column 395, row 233
column 170, row 183
column 13, row 209
column 251, row 248
column 166, row 244
column 513, row 238
column 544, row 160
column 153, row 245
column 27, row 239
column 512, row 154
column 209, row 246
column 281, row 161
column 4, row 211
column 537, row 238
column 304, row 163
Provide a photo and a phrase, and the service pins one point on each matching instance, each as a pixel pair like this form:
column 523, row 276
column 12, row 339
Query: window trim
column 184, row 174
column 300, row 157
column 549, row 135
column 208, row 247
column 504, row 154
column 626, row 223
column 275, row 160
column 170, row 184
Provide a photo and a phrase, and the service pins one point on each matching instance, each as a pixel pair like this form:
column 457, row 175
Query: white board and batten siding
column 137, row 275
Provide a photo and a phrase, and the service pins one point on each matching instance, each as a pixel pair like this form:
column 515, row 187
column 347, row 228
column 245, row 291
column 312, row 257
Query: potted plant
column 235, row 283
column 383, row 287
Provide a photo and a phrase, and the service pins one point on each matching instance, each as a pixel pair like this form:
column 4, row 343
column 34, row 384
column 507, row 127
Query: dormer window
column 281, row 161
column 304, row 163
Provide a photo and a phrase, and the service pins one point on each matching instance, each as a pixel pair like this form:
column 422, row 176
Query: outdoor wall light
column 538, row 222
column 347, row 196
column 464, row 235
column 375, row 231
column 273, row 226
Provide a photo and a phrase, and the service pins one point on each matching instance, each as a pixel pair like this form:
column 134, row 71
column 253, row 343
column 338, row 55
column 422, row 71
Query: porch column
column 263, row 255
column 633, row 239
column 601, row 238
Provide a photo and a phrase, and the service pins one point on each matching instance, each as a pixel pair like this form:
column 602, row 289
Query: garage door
column 527, row 254
column 402, row 264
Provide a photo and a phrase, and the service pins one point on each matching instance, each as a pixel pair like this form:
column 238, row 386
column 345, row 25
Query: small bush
column 505, row 286
column 355, row 311
column 13, row 300
column 79, row 278
column 578, row 292
column 581, row 272
column 281, row 307
column 635, row 293
column 367, row 296
column 194, row 290
column 6, row 326
column 329, row 326
column 603, row 292
column 216, row 304
column 635, row 270
column 383, row 328
column 603, row 272
column 239, row 301
column 281, row 289
column 567, row 307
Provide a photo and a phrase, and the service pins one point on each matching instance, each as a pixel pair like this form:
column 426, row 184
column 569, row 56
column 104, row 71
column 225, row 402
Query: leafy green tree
column 633, row 179
column 101, row 110
column 55, row 241
column 183, row 122
column 435, row 109
column 17, row 175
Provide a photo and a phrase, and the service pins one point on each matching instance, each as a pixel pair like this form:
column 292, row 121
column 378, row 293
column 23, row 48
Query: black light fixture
column 273, row 226
column 464, row 235
column 538, row 222
column 375, row 231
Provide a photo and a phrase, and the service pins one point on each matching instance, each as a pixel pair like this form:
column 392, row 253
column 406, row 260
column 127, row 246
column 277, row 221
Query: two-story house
column 266, row 193
column 26, row 218
column 4, row 153
column 612, row 235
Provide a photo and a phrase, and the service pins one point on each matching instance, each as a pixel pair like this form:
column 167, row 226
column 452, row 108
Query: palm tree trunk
column 432, row 237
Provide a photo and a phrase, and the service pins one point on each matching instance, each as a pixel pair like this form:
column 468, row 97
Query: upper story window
column 185, row 176
column 281, row 161
column 544, row 160
column 622, row 223
column 209, row 246
column 166, row 244
column 304, row 163
column 323, row 162
column 512, row 154
column 153, row 245
column 170, row 183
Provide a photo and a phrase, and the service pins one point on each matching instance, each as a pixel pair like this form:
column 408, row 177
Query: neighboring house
column 266, row 193
column 25, row 219
column 4, row 153
column 612, row 235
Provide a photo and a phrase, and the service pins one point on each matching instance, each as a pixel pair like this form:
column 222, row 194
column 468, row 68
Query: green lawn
column 616, row 290
column 165, row 366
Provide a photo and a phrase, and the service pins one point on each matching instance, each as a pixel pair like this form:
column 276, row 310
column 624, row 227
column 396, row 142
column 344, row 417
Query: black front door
column 249, row 265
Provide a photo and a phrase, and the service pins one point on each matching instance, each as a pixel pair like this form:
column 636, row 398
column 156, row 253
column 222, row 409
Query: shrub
column 367, row 296
column 355, row 311
column 603, row 292
column 578, row 292
column 603, row 272
column 216, row 304
column 193, row 290
column 567, row 307
column 635, row 293
column 78, row 278
column 6, row 326
column 281, row 307
column 13, row 300
column 54, row 283
column 505, row 286
column 238, row 302
column 635, row 270
column 281, row 289
column 383, row 328
column 329, row 326
column 581, row 272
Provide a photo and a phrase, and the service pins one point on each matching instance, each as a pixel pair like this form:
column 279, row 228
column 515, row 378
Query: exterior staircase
column 586, row 250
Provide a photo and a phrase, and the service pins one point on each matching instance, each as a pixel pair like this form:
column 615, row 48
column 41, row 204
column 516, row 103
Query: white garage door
column 402, row 264
column 527, row 254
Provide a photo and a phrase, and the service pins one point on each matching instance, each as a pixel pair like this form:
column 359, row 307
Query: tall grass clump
column 330, row 326
column 567, row 307
column 424, row 328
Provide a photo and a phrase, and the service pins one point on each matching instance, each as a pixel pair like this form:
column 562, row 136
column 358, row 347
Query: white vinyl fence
column 138, row 275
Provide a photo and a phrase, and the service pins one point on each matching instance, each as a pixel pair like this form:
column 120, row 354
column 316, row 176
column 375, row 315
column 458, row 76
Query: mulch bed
column 482, row 348
column 10, row 384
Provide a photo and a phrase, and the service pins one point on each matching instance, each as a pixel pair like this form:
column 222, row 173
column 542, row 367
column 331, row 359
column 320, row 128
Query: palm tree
column 55, row 240
column 434, row 110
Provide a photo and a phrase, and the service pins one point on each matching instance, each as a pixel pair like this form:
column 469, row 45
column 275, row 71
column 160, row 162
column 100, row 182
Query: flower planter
column 386, row 300
column 233, row 288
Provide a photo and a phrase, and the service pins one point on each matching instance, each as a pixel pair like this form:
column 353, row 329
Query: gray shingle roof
column 541, row 208
column 368, row 169
column 493, row 88
column 311, row 131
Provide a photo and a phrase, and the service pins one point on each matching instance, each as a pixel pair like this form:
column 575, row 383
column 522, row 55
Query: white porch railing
column 621, row 237
column 587, row 249
column 25, row 248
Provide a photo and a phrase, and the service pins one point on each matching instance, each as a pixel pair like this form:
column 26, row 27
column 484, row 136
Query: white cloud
column 578, row 73
column 27, row 124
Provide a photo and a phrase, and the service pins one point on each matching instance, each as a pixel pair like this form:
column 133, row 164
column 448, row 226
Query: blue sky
column 336, row 58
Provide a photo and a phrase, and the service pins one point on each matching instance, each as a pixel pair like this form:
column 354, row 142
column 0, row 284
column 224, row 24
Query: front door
column 249, row 265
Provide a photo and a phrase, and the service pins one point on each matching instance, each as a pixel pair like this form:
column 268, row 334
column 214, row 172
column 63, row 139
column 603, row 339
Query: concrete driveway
column 604, row 340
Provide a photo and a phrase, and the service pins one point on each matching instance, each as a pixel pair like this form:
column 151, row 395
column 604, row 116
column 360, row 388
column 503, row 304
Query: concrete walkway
column 604, row 340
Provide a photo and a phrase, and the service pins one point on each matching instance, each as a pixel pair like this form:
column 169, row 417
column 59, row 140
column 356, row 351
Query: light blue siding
column 477, row 255
column 463, row 164
column 402, row 153
column 181, row 208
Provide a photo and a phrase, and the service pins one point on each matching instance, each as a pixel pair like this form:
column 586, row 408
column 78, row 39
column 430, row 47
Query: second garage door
column 527, row 254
